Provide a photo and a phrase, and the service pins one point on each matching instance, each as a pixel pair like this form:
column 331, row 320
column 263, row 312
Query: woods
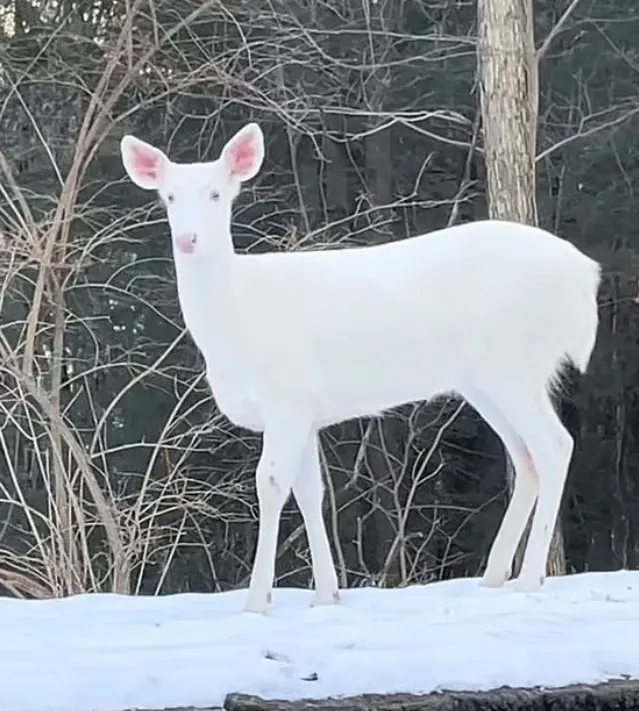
column 118, row 472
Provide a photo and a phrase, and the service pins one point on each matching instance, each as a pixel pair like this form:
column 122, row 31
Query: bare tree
column 508, row 81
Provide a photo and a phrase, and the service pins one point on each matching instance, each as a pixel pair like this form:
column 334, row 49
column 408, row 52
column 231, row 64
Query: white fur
column 296, row 341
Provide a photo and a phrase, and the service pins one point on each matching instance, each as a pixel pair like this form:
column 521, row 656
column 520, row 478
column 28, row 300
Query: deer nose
column 186, row 242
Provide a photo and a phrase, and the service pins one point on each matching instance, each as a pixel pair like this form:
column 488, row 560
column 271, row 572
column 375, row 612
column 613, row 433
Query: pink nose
column 186, row 242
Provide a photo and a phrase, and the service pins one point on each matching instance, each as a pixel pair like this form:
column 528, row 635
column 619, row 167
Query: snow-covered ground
column 107, row 653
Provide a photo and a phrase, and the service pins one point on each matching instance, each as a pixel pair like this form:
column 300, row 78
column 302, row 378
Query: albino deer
column 297, row 341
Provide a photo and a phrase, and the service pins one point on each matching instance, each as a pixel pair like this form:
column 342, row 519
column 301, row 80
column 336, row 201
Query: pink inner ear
column 147, row 164
column 242, row 156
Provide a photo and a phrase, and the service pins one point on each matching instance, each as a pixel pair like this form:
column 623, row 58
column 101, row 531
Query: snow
column 111, row 652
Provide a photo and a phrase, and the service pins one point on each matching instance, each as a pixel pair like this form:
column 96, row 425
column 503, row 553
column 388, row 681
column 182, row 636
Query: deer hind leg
column 524, row 495
column 308, row 491
column 285, row 441
column 551, row 447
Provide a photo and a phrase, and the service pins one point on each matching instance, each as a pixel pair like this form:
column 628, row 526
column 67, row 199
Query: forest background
column 117, row 472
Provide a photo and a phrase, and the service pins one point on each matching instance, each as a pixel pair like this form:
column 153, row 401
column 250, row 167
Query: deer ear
column 244, row 153
column 145, row 165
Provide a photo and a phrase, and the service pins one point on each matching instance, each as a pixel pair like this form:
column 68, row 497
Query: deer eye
column 214, row 195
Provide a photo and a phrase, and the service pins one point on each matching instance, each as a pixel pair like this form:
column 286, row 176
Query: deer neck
column 205, row 289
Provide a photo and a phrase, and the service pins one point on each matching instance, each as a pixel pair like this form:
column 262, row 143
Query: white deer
column 297, row 341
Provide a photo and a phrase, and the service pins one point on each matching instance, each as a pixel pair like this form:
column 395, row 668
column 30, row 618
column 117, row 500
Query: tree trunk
column 508, row 82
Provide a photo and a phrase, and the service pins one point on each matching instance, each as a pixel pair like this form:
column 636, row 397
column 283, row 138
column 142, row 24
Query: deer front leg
column 285, row 440
column 308, row 491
